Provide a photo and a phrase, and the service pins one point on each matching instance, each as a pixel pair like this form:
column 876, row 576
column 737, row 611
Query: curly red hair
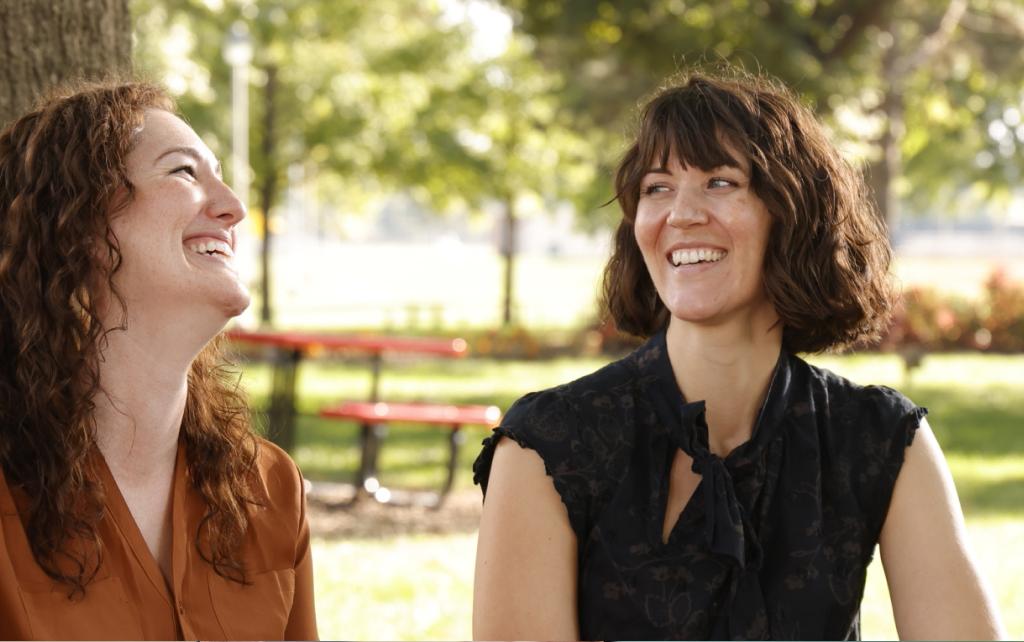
column 62, row 168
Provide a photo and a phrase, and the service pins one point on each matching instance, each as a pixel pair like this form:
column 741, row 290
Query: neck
column 729, row 367
column 144, row 379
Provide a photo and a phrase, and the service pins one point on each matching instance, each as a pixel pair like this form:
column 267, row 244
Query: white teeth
column 211, row 246
column 688, row 257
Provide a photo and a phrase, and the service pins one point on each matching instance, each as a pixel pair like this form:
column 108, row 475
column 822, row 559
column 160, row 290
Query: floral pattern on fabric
column 777, row 537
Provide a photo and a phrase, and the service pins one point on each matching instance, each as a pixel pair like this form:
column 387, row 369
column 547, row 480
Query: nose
column 225, row 204
column 689, row 207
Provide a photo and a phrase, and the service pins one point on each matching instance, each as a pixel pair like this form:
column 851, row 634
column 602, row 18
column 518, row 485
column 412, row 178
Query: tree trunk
column 508, row 251
column 268, row 190
column 43, row 43
column 889, row 166
column 898, row 64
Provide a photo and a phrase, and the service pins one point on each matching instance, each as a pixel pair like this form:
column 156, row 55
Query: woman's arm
column 525, row 587
column 936, row 590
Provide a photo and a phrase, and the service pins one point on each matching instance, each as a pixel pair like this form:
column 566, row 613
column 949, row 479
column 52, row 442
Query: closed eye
column 187, row 169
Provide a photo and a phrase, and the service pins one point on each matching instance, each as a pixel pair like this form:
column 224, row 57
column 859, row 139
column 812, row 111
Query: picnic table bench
column 290, row 348
column 373, row 416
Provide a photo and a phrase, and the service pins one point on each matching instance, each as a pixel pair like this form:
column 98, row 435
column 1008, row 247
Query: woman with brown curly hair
column 135, row 502
column 712, row 484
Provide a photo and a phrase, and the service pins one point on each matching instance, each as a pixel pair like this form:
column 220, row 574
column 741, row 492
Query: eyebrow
column 665, row 170
column 191, row 152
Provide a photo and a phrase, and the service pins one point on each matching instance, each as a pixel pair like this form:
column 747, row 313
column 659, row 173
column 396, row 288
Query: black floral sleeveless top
column 776, row 539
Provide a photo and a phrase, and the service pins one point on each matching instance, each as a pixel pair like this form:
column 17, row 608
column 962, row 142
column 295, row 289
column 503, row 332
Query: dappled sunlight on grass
column 401, row 588
column 989, row 486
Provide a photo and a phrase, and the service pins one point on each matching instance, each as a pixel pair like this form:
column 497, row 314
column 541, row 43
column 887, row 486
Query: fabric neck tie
column 725, row 529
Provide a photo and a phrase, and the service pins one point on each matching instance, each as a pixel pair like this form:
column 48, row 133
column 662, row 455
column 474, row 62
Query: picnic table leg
column 369, row 439
column 455, row 439
column 281, row 412
column 369, row 447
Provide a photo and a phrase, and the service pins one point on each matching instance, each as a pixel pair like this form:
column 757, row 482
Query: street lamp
column 238, row 54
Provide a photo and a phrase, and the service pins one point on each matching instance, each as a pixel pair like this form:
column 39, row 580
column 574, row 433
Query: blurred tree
column 912, row 87
column 379, row 96
column 45, row 43
column 496, row 134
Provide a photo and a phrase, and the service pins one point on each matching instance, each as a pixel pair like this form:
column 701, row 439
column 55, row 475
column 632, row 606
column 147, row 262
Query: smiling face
column 177, row 233
column 703, row 236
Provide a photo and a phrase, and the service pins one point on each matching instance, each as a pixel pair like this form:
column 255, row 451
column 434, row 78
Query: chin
column 693, row 309
column 237, row 304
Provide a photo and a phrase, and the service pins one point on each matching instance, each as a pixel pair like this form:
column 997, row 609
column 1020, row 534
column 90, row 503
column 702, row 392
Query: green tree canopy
column 387, row 95
column 911, row 86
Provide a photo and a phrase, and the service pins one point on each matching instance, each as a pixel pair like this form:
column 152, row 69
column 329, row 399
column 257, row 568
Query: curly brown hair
column 826, row 268
column 62, row 167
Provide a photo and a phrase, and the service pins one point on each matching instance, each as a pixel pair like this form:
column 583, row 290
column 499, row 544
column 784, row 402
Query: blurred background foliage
column 397, row 96
column 392, row 94
column 910, row 87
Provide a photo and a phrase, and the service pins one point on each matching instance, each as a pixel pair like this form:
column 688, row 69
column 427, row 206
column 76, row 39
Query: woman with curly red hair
column 135, row 502
column 713, row 485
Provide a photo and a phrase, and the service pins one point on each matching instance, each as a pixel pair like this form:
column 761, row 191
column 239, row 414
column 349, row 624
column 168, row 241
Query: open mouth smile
column 211, row 247
column 696, row 255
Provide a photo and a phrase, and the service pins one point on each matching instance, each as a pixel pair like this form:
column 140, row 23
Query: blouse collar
column 686, row 428
column 674, row 411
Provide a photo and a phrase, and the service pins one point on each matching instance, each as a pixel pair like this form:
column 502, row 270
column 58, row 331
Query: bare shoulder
column 936, row 588
column 525, row 586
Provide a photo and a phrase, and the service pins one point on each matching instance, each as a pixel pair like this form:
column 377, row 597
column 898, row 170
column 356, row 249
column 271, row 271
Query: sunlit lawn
column 391, row 285
column 421, row 587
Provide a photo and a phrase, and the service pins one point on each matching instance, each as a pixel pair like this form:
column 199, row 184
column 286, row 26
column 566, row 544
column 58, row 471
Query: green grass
column 421, row 587
column 400, row 588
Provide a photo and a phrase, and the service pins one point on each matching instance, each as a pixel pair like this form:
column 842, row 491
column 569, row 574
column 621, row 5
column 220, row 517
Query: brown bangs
column 683, row 125
column 826, row 268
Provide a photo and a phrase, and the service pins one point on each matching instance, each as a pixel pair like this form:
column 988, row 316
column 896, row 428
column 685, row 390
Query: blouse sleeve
column 888, row 423
column 302, row 619
column 544, row 422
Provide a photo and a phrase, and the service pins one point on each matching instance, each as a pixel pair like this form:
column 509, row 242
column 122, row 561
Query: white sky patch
column 492, row 25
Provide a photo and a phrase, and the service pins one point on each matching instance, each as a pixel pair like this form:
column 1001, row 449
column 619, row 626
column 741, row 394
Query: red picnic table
column 291, row 347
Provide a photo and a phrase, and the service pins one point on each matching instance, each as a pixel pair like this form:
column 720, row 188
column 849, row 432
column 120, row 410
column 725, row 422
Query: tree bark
column 46, row 42
column 268, row 190
column 890, row 166
column 508, row 250
column 896, row 69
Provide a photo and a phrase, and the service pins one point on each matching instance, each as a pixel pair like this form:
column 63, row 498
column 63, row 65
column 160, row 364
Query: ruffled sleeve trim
column 904, row 429
column 561, row 463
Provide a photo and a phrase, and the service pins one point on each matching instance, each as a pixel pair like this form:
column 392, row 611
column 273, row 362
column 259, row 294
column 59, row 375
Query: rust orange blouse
column 129, row 597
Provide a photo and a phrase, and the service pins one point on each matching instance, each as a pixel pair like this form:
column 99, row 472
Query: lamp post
column 238, row 54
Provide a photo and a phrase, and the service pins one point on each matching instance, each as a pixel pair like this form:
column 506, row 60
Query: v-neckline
column 121, row 516
column 690, row 416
